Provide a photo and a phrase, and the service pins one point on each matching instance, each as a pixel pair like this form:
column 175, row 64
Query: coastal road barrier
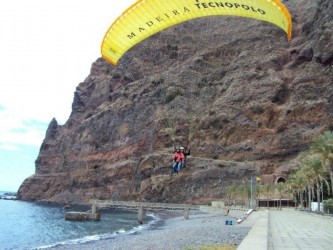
column 245, row 215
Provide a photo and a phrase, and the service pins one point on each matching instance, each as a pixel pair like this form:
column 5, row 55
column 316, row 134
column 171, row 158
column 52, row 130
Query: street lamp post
column 251, row 202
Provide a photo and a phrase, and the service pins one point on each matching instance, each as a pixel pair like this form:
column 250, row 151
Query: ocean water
column 26, row 225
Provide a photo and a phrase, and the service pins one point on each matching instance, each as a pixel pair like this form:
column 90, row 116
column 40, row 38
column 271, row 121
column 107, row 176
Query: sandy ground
column 174, row 232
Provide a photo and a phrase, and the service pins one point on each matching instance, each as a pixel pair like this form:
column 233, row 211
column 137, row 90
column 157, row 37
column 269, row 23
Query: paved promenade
column 288, row 230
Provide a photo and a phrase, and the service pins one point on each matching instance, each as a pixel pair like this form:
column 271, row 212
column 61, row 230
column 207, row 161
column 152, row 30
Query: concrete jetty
column 146, row 205
column 91, row 215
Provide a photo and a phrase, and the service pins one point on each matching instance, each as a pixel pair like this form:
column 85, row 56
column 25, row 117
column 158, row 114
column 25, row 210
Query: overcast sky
column 46, row 50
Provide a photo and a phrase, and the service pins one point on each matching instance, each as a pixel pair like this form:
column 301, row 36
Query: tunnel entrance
column 281, row 179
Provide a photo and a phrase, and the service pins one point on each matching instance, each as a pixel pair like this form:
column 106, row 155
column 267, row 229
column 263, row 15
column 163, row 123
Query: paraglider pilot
column 186, row 151
column 178, row 158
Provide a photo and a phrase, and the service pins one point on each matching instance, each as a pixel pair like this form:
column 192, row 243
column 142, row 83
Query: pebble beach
column 173, row 231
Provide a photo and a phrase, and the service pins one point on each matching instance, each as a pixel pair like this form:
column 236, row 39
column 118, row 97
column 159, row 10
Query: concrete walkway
column 258, row 235
column 289, row 230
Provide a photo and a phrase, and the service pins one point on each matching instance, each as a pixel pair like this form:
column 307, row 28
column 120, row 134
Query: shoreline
column 172, row 231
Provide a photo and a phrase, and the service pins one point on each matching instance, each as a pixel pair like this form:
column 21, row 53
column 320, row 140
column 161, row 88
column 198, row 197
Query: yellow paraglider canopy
column 147, row 17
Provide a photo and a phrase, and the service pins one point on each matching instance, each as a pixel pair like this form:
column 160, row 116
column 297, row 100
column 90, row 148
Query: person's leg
column 175, row 165
column 178, row 167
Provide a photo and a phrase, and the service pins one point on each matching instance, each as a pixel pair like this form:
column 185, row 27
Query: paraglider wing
column 147, row 17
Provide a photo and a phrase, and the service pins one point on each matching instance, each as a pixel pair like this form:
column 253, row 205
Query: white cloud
column 46, row 50
column 16, row 130
column 8, row 147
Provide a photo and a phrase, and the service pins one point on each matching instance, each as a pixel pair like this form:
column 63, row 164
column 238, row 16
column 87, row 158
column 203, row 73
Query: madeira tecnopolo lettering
column 230, row 5
column 199, row 5
column 157, row 20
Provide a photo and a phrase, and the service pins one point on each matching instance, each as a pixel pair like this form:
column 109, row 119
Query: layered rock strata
column 247, row 100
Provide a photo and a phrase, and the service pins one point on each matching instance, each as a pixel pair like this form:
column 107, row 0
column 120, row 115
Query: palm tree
column 236, row 192
column 280, row 188
column 243, row 193
column 316, row 173
column 231, row 192
column 309, row 184
column 266, row 190
column 323, row 145
column 297, row 183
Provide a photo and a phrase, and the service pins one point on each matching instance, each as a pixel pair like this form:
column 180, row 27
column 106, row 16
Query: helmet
column 181, row 148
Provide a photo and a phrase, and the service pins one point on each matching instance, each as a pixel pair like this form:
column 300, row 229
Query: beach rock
column 248, row 100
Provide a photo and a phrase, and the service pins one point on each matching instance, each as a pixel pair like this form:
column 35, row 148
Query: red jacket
column 178, row 156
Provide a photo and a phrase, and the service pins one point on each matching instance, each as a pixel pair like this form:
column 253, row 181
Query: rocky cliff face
column 247, row 100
